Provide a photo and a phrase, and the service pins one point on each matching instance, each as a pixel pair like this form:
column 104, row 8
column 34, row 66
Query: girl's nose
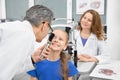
column 55, row 39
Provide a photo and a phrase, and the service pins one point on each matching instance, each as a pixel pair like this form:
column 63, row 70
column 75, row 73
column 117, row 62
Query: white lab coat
column 93, row 47
column 17, row 42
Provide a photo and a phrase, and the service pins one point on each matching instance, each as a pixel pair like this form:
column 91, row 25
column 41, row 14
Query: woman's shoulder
column 93, row 36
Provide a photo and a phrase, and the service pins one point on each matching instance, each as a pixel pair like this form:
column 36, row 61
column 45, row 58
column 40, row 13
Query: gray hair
column 38, row 14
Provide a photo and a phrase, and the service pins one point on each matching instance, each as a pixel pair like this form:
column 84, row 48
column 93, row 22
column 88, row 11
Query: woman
column 91, row 45
column 56, row 66
column 90, row 40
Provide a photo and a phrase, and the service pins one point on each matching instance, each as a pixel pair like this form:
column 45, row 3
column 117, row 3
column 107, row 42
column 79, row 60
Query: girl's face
column 86, row 21
column 59, row 42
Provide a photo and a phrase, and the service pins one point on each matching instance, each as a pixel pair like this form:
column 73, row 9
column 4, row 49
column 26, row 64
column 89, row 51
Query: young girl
column 57, row 66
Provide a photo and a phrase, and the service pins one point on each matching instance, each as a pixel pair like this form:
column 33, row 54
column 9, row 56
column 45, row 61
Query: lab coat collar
column 92, row 36
column 28, row 25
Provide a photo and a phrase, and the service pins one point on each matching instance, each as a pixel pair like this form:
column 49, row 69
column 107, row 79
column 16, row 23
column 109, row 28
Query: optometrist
column 90, row 40
column 17, row 41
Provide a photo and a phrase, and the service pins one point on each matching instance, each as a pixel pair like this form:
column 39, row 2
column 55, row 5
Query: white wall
column 113, row 23
column 2, row 9
column 31, row 3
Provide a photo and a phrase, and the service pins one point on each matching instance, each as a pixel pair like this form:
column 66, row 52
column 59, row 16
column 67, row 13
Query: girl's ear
column 65, row 47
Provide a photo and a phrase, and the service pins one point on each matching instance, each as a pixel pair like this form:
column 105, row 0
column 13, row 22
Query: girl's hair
column 64, row 61
column 64, row 65
column 96, row 26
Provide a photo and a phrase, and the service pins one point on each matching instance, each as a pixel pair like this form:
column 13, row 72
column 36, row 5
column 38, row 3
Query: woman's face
column 59, row 42
column 86, row 21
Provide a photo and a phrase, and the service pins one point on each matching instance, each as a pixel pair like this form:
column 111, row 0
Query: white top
column 93, row 47
column 17, row 42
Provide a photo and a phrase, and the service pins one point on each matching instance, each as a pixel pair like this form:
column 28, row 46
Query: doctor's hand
column 84, row 57
column 36, row 55
column 87, row 58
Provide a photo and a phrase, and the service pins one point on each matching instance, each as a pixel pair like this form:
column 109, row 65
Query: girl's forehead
column 58, row 31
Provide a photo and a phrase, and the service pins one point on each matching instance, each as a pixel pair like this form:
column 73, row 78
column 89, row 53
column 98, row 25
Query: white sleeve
column 26, row 63
column 0, row 33
column 103, row 52
column 28, row 50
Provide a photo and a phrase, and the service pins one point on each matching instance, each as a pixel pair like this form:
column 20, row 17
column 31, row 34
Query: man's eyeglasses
column 51, row 30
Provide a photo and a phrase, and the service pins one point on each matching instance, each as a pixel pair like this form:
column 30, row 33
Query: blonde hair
column 64, row 61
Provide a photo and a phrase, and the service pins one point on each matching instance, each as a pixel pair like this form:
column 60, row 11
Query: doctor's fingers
column 83, row 60
column 86, row 55
column 93, row 59
column 41, row 49
column 36, row 55
column 80, row 58
column 45, row 54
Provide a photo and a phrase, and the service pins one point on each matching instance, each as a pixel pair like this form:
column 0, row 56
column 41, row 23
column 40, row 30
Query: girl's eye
column 54, row 37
